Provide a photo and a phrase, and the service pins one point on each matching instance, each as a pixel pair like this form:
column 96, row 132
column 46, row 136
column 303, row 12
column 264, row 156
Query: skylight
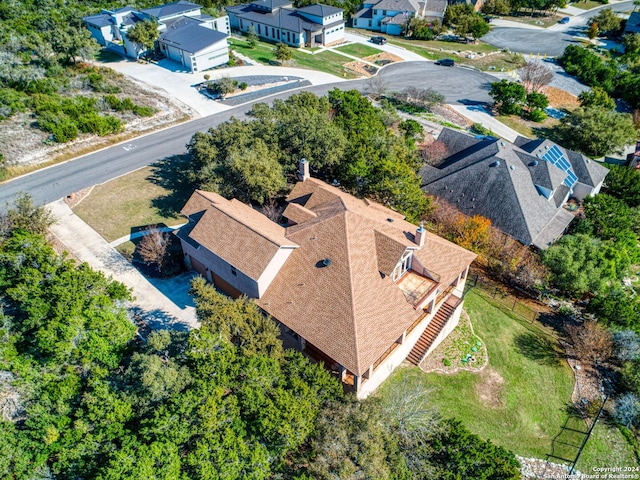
column 555, row 157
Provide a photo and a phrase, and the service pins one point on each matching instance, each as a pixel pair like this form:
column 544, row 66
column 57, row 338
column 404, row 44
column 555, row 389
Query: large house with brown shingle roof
column 349, row 281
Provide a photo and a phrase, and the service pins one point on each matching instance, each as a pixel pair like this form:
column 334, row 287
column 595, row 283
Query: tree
column 411, row 130
column 472, row 24
column 627, row 410
column 596, row 97
column 623, row 183
column 224, row 85
column 627, row 343
column 591, row 341
column 631, row 42
column 508, row 96
column 454, row 12
column 496, row 7
column 607, row 20
column 376, row 86
column 283, row 52
column 153, row 247
column 144, row 34
column 537, row 101
column 473, row 233
column 252, row 37
column 596, row 131
column 25, row 215
column 535, row 76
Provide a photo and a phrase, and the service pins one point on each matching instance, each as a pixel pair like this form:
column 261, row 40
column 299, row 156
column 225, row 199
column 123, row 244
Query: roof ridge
column 351, row 295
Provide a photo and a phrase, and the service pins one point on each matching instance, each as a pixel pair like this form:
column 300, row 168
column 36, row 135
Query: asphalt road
column 551, row 41
column 458, row 85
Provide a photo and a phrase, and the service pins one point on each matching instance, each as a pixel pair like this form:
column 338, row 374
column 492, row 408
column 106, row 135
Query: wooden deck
column 431, row 332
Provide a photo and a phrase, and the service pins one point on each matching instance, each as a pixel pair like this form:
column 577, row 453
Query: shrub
column 446, row 362
column 243, row 86
column 143, row 111
column 480, row 129
column 537, row 115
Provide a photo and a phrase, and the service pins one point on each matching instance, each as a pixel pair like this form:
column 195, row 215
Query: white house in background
column 389, row 16
column 277, row 21
column 349, row 281
column 196, row 41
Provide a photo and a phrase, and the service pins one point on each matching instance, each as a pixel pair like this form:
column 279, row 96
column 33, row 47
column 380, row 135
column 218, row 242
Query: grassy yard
column 520, row 401
column 358, row 50
column 134, row 201
column 587, row 4
column 327, row 62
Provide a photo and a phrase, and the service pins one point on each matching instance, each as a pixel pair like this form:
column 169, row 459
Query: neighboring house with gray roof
column 521, row 187
column 633, row 23
column 278, row 21
column 389, row 16
column 349, row 281
column 196, row 41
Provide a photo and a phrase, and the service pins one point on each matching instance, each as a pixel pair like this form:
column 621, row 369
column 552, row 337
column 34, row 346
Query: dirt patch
column 361, row 69
column 383, row 58
column 560, row 99
column 450, row 115
column 490, row 389
column 74, row 198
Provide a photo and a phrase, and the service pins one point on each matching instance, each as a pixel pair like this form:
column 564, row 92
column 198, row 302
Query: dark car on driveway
column 379, row 40
column 446, row 62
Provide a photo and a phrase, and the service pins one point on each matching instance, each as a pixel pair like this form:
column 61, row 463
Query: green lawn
column 358, row 50
column 327, row 62
column 436, row 46
column 587, row 4
column 132, row 202
column 520, row 400
column 543, row 21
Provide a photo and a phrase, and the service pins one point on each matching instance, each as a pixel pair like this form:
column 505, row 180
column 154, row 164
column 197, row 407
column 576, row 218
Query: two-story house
column 196, row 41
column 277, row 21
column 349, row 281
column 390, row 16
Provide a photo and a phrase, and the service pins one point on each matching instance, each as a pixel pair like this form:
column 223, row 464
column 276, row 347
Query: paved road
column 550, row 41
column 459, row 85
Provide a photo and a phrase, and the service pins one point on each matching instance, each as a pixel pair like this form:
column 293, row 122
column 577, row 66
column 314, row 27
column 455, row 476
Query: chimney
column 303, row 172
column 420, row 235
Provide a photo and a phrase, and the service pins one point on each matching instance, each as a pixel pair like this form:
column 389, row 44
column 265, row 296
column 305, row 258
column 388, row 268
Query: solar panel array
column 555, row 157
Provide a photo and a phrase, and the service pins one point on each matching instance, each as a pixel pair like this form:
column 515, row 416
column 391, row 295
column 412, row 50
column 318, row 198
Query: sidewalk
column 161, row 304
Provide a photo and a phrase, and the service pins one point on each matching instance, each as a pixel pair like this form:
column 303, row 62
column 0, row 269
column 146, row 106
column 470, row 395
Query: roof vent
column 511, row 167
column 495, row 164
column 546, row 147
column 323, row 263
column 502, row 144
column 534, row 163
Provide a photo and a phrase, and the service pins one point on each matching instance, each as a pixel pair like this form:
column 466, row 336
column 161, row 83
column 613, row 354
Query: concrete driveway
column 158, row 303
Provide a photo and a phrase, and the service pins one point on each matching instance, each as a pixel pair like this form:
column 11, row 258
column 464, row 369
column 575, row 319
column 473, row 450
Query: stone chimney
column 421, row 234
column 303, row 172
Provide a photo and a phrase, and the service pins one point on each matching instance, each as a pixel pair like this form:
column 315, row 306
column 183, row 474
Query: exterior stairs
column 431, row 332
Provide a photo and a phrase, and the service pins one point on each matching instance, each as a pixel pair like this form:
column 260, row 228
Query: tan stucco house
column 349, row 281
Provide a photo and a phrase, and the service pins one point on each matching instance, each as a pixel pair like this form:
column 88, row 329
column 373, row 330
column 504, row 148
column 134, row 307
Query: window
column 384, row 13
column 234, row 271
column 375, row 12
column 370, row 24
column 259, row 32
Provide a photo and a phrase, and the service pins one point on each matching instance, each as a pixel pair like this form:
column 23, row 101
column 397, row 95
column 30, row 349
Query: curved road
column 458, row 85
column 550, row 41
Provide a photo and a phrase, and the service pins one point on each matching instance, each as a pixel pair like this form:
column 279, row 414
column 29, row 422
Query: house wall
column 221, row 24
column 447, row 329
column 582, row 191
column 322, row 20
column 222, row 269
column 394, row 29
column 131, row 49
column 334, row 35
column 102, row 35
column 216, row 54
column 266, row 32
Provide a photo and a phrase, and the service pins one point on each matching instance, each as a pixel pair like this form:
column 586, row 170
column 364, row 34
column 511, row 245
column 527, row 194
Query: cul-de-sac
column 348, row 240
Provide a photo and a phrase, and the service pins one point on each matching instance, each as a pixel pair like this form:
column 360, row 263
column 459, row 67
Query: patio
column 415, row 287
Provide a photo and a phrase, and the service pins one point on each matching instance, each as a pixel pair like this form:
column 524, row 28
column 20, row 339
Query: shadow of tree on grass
column 540, row 349
column 172, row 173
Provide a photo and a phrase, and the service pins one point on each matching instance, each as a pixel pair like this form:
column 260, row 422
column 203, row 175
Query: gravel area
column 291, row 83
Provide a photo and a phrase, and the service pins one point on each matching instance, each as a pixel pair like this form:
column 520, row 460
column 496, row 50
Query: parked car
column 378, row 40
column 446, row 62
column 564, row 20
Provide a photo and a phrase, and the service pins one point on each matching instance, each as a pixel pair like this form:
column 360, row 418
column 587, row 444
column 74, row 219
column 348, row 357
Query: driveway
column 159, row 303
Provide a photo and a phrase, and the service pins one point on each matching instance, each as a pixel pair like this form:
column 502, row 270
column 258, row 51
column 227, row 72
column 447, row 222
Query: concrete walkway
column 142, row 233
column 159, row 303
column 477, row 114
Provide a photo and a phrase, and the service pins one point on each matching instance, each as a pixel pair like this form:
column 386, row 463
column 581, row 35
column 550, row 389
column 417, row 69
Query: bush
column 446, row 362
column 537, row 115
column 243, row 86
column 143, row 111
column 480, row 129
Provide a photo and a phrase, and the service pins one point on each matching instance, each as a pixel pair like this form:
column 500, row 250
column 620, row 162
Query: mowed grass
column 132, row 202
column 358, row 50
column 328, row 62
column 520, row 400
column 587, row 4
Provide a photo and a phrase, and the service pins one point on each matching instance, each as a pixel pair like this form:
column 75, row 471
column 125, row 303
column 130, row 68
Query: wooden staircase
column 431, row 332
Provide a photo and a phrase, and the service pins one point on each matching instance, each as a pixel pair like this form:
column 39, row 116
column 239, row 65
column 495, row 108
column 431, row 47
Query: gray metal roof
column 496, row 179
column 285, row 18
column 99, row 20
column 410, row 6
column 189, row 35
column 170, row 9
column 320, row 10
column 633, row 23
column 272, row 4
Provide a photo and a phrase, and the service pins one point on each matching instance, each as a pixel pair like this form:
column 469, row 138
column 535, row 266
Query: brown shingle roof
column 235, row 232
column 348, row 309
